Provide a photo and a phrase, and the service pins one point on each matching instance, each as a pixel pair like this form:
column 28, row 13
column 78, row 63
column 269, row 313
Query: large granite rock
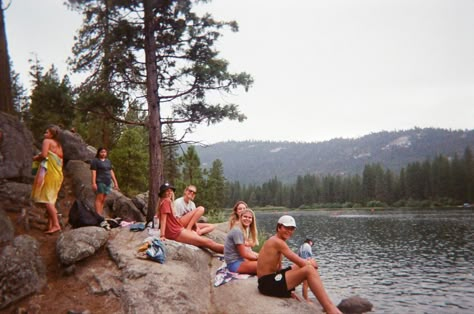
column 6, row 229
column 77, row 244
column 75, row 148
column 22, row 270
column 16, row 149
column 15, row 192
column 184, row 283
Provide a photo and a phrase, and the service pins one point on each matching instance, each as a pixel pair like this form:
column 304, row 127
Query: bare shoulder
column 278, row 241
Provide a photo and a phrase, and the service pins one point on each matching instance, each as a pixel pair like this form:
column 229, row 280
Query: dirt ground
column 63, row 293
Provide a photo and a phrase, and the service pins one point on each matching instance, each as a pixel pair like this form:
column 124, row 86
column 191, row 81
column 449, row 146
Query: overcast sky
column 323, row 68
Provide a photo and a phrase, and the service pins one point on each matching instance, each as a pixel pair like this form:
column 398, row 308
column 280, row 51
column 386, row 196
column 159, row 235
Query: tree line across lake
column 439, row 182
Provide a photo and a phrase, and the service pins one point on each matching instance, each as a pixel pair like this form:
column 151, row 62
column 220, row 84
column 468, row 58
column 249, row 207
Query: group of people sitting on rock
column 179, row 222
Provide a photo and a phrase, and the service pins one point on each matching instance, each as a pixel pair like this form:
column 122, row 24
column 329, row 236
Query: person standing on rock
column 278, row 282
column 188, row 214
column 49, row 176
column 238, row 256
column 171, row 228
column 102, row 178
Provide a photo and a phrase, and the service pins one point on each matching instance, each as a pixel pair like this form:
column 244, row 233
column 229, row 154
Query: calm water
column 402, row 261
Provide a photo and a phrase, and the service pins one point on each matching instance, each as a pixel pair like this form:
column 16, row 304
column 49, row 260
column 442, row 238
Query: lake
column 403, row 261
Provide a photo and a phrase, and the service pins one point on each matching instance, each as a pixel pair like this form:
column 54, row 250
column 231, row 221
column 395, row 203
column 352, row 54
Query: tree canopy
column 159, row 54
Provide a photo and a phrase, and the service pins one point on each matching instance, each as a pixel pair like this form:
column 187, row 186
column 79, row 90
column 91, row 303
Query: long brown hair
column 234, row 217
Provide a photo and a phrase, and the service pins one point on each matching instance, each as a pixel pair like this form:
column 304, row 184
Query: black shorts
column 275, row 284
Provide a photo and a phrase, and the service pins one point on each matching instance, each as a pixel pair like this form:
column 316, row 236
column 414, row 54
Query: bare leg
column 53, row 221
column 297, row 275
column 248, row 267
column 99, row 203
column 190, row 237
column 205, row 228
column 191, row 218
column 305, row 291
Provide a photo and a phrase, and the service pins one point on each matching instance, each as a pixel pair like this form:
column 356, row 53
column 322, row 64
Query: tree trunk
column 154, row 122
column 6, row 98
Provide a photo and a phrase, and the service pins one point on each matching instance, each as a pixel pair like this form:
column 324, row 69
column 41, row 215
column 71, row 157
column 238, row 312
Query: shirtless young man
column 274, row 281
column 188, row 214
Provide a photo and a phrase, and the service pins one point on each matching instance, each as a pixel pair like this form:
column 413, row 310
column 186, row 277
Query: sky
column 323, row 69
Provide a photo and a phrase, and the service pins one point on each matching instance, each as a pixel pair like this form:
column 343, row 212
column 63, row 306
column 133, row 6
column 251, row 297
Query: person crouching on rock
column 274, row 281
column 238, row 256
column 170, row 228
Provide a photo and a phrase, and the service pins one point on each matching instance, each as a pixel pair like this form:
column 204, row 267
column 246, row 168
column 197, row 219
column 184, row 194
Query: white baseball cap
column 287, row 221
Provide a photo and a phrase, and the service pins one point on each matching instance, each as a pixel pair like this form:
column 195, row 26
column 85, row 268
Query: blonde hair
column 252, row 231
column 234, row 217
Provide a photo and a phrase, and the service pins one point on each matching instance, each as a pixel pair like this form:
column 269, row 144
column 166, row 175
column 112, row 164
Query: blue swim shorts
column 234, row 266
column 103, row 188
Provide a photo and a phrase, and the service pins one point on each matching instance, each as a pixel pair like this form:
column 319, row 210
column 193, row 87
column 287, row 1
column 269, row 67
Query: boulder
column 77, row 244
column 15, row 192
column 355, row 305
column 75, row 148
column 184, row 283
column 6, row 229
column 23, row 271
column 15, row 159
column 118, row 205
column 141, row 202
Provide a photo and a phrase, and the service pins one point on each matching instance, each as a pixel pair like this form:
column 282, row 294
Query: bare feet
column 295, row 296
column 51, row 231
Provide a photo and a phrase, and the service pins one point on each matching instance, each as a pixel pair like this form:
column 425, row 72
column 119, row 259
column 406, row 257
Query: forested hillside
column 257, row 161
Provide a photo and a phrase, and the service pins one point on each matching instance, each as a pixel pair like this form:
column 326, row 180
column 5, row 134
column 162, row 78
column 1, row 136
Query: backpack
column 80, row 215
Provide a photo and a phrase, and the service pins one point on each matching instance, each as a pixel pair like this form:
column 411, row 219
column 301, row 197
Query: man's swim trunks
column 275, row 284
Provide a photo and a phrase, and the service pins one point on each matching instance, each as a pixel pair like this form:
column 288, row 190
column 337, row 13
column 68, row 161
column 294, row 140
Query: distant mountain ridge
column 258, row 161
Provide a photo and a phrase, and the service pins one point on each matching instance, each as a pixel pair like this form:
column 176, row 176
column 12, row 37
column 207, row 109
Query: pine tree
column 51, row 101
column 170, row 156
column 6, row 97
column 129, row 158
column 161, row 51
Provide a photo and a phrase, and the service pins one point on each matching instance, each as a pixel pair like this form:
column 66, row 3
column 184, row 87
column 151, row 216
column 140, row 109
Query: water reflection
column 402, row 261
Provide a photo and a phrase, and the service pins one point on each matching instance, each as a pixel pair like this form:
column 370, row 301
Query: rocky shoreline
column 69, row 271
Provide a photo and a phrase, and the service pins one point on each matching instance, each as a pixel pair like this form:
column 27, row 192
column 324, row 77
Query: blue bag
column 156, row 251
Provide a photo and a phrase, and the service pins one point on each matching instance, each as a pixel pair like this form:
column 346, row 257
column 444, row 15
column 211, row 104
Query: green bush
column 216, row 216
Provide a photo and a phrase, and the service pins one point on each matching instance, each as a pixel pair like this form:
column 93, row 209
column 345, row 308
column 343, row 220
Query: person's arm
column 116, row 186
column 164, row 208
column 44, row 150
column 94, row 176
column 246, row 253
column 163, row 218
column 292, row 256
column 249, row 243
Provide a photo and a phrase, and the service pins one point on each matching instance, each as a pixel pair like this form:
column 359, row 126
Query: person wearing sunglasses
column 188, row 214
column 170, row 228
